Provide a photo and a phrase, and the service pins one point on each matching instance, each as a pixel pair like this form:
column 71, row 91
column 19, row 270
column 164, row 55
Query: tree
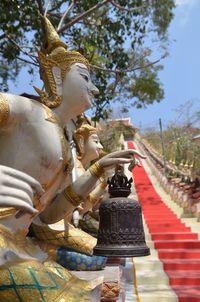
column 181, row 150
column 189, row 114
column 110, row 132
column 111, row 34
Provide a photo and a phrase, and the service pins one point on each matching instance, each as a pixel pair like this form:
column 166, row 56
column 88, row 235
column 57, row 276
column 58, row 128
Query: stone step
column 173, row 236
column 188, row 293
column 150, row 244
column 157, row 293
column 178, row 244
column 148, row 277
column 152, row 264
column 179, row 254
column 181, row 278
column 180, row 264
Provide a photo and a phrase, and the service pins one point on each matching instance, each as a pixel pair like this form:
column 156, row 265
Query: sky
column 181, row 74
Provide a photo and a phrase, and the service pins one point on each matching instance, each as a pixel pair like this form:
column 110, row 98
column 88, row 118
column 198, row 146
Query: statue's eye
column 85, row 77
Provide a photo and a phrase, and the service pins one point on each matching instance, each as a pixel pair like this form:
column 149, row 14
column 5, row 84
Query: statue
column 70, row 246
column 88, row 149
column 35, row 174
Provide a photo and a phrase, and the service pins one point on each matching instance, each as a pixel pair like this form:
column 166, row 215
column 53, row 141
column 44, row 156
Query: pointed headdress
column 84, row 131
column 55, row 55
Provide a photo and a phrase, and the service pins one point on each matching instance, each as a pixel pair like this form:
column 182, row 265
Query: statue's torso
column 35, row 144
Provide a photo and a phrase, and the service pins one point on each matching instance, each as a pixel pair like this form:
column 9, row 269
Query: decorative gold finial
column 53, row 40
column 55, row 55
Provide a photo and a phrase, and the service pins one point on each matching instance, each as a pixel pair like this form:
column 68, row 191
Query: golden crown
column 83, row 132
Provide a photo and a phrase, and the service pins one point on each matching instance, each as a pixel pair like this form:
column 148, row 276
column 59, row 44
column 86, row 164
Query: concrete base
column 112, row 289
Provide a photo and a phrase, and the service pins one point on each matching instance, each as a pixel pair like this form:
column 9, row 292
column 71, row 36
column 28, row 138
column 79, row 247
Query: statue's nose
column 94, row 89
column 100, row 146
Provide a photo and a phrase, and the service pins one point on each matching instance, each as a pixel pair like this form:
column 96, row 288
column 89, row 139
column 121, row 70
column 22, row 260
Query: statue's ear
column 82, row 145
column 58, row 79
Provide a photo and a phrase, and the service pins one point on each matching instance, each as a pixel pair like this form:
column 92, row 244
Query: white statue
column 35, row 156
column 88, row 149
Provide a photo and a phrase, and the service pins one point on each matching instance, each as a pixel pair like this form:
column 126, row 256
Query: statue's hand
column 135, row 162
column 17, row 190
column 120, row 157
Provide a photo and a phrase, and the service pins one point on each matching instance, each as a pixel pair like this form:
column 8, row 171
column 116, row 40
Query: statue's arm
column 93, row 198
column 64, row 204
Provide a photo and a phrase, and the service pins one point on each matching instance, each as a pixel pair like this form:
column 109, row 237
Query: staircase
column 172, row 272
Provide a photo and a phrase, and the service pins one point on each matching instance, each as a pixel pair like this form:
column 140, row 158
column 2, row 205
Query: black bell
column 121, row 232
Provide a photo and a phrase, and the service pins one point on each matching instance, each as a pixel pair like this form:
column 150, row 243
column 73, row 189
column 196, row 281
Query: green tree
column 112, row 34
column 182, row 152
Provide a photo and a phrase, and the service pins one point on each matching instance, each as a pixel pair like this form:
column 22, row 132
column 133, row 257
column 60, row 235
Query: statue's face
column 78, row 90
column 92, row 147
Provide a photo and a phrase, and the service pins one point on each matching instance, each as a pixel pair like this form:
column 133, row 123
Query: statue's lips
column 90, row 98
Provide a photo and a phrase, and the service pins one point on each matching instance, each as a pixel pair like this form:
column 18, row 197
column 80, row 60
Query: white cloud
column 186, row 2
column 185, row 7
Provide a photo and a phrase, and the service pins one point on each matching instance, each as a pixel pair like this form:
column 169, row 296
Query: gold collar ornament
column 55, row 55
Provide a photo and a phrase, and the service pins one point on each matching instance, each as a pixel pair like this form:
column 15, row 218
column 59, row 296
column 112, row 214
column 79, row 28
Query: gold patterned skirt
column 74, row 239
column 33, row 281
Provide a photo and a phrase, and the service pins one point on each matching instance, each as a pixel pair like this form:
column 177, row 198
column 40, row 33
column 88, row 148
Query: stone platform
column 112, row 289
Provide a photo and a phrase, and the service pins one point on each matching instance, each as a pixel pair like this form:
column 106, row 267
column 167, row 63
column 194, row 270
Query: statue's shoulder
column 4, row 110
column 20, row 103
column 79, row 166
column 15, row 107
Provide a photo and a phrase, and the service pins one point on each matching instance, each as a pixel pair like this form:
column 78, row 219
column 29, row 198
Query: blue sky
column 181, row 74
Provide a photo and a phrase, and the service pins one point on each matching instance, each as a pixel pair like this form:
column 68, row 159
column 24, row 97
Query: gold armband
column 96, row 170
column 92, row 199
column 103, row 184
column 4, row 110
column 72, row 197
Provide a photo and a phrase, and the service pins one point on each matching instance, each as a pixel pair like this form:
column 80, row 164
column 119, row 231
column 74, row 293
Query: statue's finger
column 138, row 164
column 123, row 161
column 12, row 202
column 139, row 154
column 125, row 153
column 18, row 184
column 118, row 154
column 16, row 193
column 27, row 178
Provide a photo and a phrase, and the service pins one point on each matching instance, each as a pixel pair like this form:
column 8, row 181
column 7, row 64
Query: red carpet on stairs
column 178, row 248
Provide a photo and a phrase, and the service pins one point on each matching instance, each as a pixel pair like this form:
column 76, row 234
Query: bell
column 121, row 232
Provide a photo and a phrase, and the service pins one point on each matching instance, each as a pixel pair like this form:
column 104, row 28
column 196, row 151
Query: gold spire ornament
column 55, row 55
